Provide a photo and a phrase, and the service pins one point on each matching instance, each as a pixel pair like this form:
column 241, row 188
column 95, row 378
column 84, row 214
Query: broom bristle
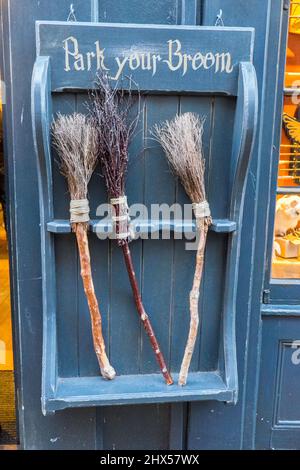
column 75, row 140
column 181, row 140
column 110, row 109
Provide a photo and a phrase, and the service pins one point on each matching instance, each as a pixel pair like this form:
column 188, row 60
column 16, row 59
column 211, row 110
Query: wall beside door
column 193, row 426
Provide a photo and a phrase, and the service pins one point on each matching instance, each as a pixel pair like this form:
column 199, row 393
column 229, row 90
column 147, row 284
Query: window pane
column 286, row 248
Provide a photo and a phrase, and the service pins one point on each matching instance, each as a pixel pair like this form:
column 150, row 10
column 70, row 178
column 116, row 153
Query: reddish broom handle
column 143, row 315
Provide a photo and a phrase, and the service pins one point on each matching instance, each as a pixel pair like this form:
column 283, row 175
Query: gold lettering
column 79, row 63
column 197, row 61
column 172, row 54
column 223, row 62
column 72, row 42
column 175, row 59
column 209, row 60
column 134, row 61
column 155, row 58
column 100, row 57
column 186, row 59
column 89, row 56
column 145, row 61
column 121, row 65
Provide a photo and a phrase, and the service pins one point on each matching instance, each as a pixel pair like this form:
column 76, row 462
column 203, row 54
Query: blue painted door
column 163, row 266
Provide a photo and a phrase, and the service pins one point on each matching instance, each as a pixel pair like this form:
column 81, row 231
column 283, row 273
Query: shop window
column 286, row 246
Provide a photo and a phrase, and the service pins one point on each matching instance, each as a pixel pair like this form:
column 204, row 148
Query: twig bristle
column 181, row 140
column 110, row 109
column 75, row 140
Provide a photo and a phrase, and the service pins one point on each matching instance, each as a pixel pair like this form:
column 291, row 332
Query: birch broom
column 181, row 140
column 110, row 109
column 75, row 141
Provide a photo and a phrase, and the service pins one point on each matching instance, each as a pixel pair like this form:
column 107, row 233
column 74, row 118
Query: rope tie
column 123, row 217
column 79, row 211
column 201, row 210
column 117, row 201
column 71, row 16
column 219, row 19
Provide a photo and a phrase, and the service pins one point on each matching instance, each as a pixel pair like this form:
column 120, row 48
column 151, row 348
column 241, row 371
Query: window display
column 286, row 247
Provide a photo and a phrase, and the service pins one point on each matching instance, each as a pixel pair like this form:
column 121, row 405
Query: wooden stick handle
column 107, row 371
column 143, row 315
column 194, row 303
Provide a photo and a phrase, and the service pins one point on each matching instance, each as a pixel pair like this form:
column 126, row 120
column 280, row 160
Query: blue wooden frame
column 222, row 385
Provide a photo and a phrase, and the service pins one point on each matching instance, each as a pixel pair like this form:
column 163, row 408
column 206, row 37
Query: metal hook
column 71, row 16
column 219, row 19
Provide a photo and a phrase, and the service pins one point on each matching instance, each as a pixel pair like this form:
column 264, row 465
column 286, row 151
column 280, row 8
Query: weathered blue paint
column 264, row 333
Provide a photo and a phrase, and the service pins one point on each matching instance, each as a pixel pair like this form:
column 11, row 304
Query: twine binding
column 79, row 211
column 120, row 218
column 124, row 217
column 115, row 201
column 201, row 210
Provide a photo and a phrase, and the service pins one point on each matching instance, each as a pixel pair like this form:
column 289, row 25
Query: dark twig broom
column 181, row 140
column 110, row 109
column 75, row 141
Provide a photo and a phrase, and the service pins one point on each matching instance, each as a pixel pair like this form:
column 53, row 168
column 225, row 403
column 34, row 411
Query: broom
column 181, row 140
column 110, row 109
column 74, row 139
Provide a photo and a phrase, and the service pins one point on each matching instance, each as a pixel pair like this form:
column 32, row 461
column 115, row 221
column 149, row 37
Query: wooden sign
column 154, row 57
column 163, row 60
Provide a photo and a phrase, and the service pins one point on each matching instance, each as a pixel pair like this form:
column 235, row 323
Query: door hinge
column 286, row 5
column 266, row 296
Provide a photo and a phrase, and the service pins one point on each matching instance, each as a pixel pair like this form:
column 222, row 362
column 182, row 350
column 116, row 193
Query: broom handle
column 107, row 370
column 194, row 303
column 144, row 317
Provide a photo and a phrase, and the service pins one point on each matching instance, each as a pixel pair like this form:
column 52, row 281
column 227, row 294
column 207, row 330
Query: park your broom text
column 174, row 58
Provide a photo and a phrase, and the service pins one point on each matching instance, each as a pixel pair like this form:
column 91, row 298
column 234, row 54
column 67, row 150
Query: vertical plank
column 136, row 427
column 88, row 364
column 67, row 311
column 153, row 11
column 218, row 196
column 178, row 421
column 95, row 11
column 125, row 323
column 185, row 259
column 190, row 12
column 100, row 423
column 212, row 302
column 158, row 255
column 99, row 250
column 66, row 263
column 219, row 174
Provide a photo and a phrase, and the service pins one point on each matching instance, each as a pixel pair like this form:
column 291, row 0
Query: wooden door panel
column 278, row 419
